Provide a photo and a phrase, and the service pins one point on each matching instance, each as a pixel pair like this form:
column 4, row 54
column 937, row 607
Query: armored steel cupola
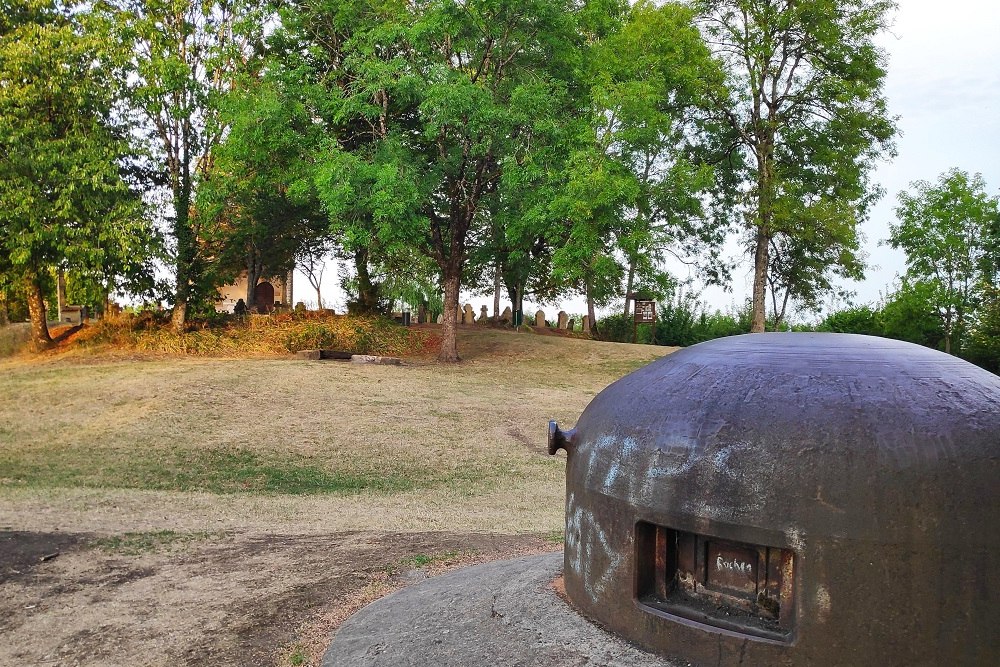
column 780, row 499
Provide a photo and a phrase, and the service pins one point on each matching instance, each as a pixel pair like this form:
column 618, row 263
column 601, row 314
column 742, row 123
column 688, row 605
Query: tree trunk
column 496, row 293
column 185, row 252
column 367, row 291
column 759, row 281
column 591, row 318
column 628, row 286
column 254, row 271
column 35, row 293
column 449, row 342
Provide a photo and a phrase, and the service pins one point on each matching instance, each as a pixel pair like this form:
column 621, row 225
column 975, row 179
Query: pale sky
column 944, row 84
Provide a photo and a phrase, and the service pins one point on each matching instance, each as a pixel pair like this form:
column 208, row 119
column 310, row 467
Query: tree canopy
column 64, row 198
column 947, row 230
column 807, row 109
column 538, row 147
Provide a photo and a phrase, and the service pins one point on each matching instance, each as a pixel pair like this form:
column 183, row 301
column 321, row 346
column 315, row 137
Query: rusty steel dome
column 791, row 499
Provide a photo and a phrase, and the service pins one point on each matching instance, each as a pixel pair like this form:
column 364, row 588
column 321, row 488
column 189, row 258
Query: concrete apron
column 504, row 613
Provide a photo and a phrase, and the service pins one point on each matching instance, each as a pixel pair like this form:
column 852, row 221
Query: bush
column 257, row 336
column 682, row 324
column 854, row 319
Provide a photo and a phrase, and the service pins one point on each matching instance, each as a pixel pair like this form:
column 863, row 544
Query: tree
column 945, row 230
column 177, row 58
column 258, row 205
column 63, row 199
column 649, row 81
column 808, row 112
column 434, row 102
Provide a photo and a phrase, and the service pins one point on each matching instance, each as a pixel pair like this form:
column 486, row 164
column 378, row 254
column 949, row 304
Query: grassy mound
column 255, row 336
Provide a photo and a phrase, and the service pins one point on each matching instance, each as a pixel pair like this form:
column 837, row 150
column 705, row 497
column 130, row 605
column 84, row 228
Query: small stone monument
column 571, row 325
column 586, row 323
column 563, row 319
column 507, row 316
column 540, row 318
column 484, row 316
column 469, row 317
column 440, row 318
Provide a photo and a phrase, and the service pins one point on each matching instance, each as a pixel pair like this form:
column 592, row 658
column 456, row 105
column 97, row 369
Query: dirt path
column 197, row 599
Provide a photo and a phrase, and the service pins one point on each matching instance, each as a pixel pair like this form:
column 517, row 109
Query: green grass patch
column 221, row 471
column 226, row 471
column 418, row 561
column 134, row 544
column 298, row 656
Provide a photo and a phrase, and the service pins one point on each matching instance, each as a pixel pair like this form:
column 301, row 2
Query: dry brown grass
column 250, row 443
column 248, row 337
column 200, row 506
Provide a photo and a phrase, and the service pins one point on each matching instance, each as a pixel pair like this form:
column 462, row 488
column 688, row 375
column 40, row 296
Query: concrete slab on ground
column 500, row 614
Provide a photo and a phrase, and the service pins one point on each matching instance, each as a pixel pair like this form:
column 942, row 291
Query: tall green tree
column 650, row 81
column 177, row 59
column 945, row 229
column 808, row 111
column 435, row 102
column 63, row 199
column 260, row 209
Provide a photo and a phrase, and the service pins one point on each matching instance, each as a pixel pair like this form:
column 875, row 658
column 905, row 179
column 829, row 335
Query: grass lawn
column 158, row 463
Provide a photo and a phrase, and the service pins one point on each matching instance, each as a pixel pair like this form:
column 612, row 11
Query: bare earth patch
column 190, row 512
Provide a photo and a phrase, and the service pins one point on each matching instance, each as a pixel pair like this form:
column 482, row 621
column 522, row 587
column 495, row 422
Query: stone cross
column 484, row 316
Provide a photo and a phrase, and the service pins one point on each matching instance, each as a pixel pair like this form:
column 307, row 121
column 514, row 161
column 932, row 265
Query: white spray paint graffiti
column 586, row 545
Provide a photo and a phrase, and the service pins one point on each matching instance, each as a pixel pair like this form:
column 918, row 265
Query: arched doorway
column 263, row 297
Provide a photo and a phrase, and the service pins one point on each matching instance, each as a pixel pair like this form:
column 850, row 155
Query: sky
column 943, row 83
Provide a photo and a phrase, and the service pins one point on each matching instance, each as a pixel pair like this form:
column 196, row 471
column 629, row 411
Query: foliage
column 427, row 105
column 808, row 113
column 64, row 198
column 681, row 320
column 176, row 59
column 945, row 229
column 983, row 346
column 636, row 177
column 256, row 336
column 260, row 211
column 864, row 319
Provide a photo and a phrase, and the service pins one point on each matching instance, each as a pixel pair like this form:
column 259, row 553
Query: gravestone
column 540, row 318
column 469, row 317
column 507, row 317
column 563, row 319
column 586, row 323
column 440, row 319
column 571, row 325
column 484, row 316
